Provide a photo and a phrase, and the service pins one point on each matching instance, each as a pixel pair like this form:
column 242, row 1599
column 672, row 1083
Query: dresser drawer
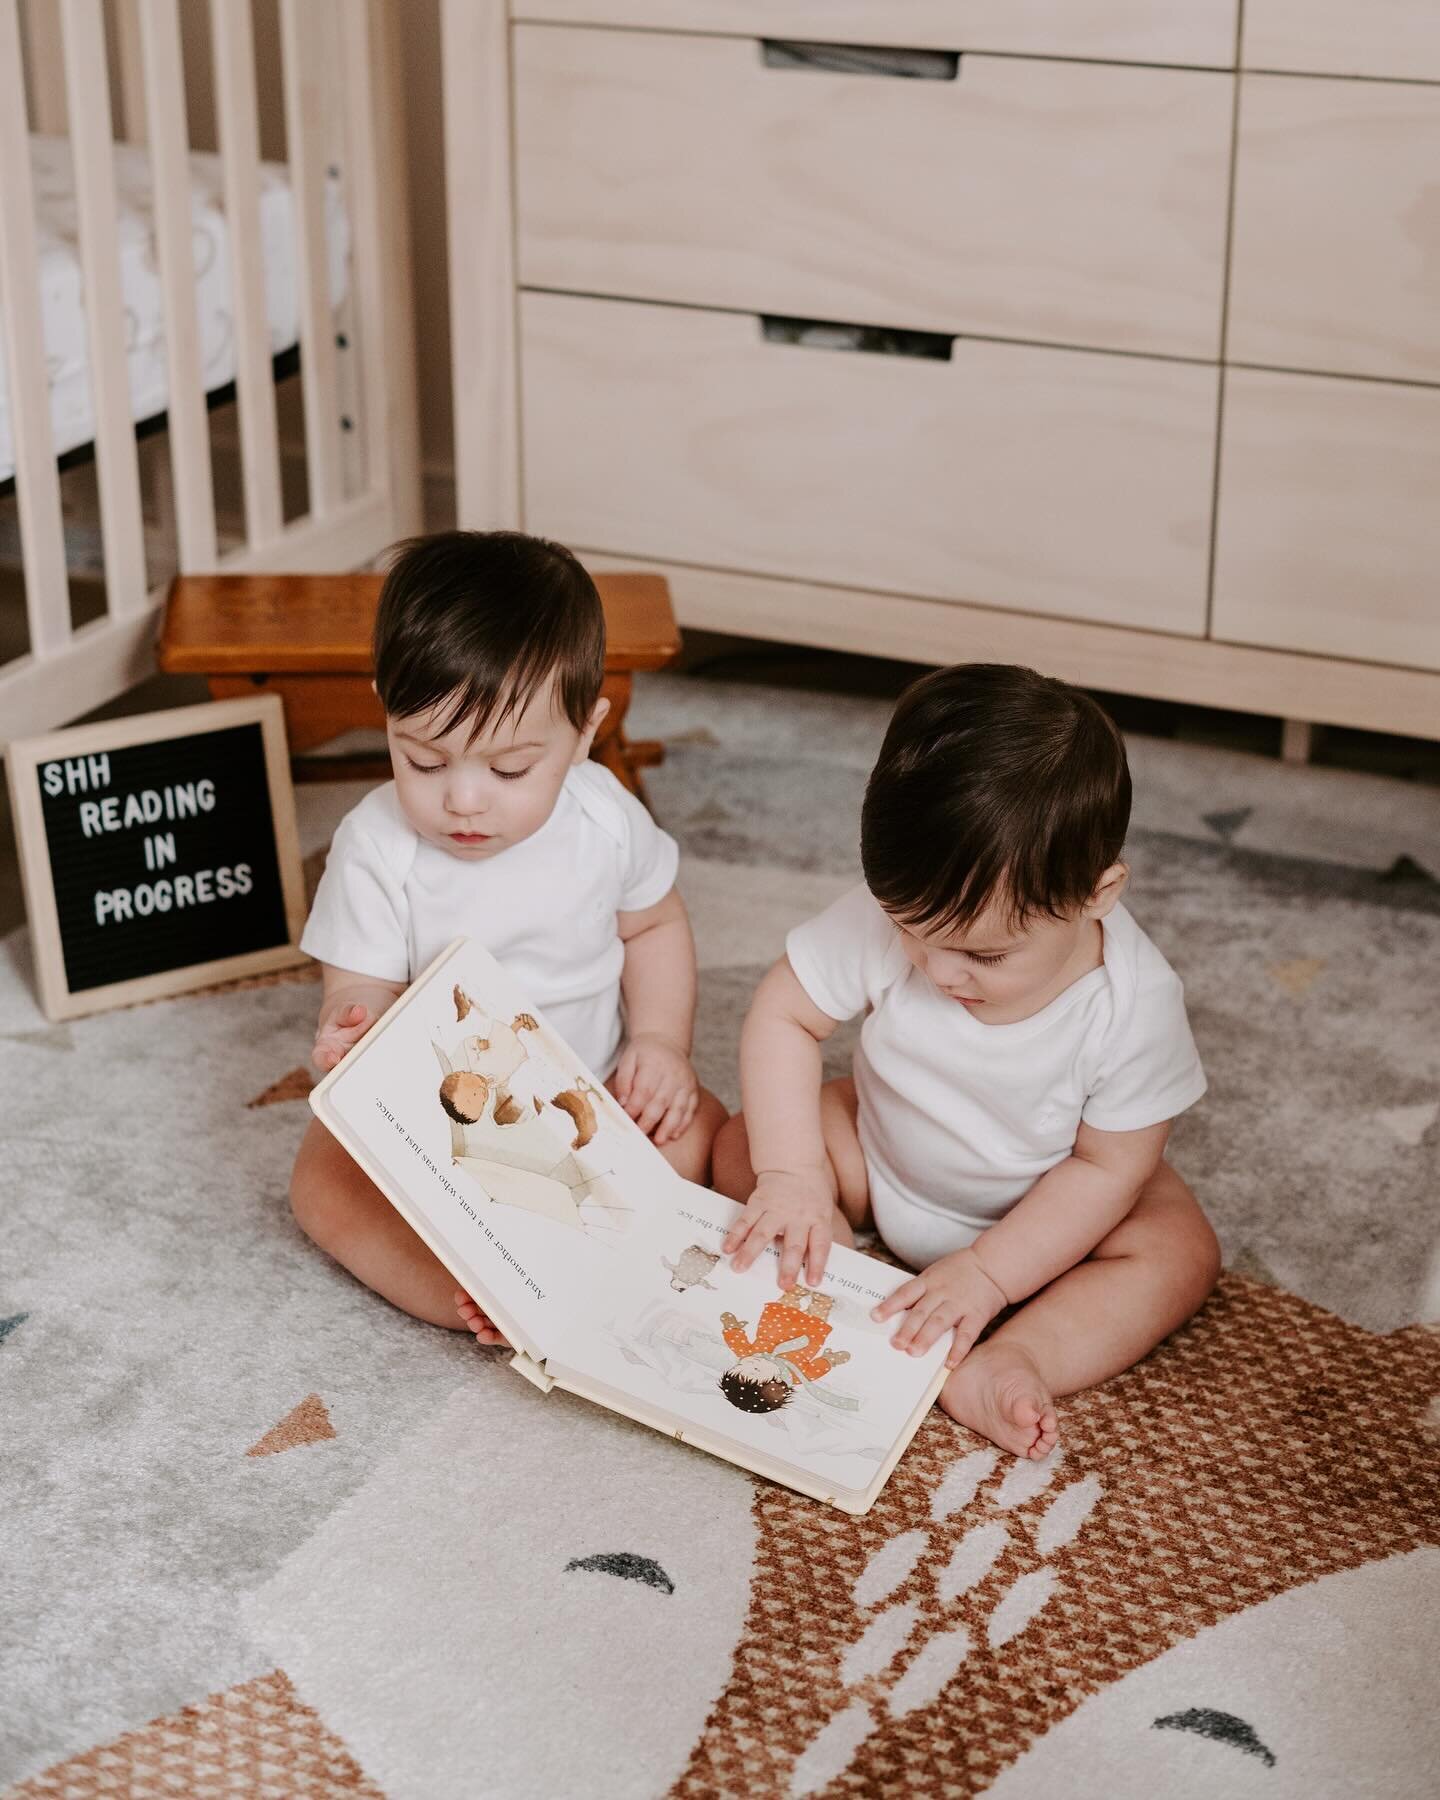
column 1160, row 31
column 1399, row 38
column 1336, row 258
column 1328, row 533
column 1064, row 202
column 1066, row 482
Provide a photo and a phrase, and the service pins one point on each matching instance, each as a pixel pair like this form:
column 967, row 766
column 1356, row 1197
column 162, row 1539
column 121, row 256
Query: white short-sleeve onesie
column 958, row 1119
column 389, row 902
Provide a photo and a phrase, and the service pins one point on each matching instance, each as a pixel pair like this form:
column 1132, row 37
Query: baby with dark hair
column 1024, row 1052
column 489, row 661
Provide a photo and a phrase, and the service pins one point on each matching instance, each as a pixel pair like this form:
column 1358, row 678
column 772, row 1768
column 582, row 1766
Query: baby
column 489, row 658
column 1024, row 1052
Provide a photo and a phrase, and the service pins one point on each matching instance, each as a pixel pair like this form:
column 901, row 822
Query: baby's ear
column 597, row 717
column 1108, row 890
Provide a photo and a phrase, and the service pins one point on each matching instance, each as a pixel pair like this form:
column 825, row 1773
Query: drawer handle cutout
column 860, row 59
column 872, row 340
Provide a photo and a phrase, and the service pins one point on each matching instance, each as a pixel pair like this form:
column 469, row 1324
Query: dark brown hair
column 755, row 1396
column 483, row 619
column 993, row 782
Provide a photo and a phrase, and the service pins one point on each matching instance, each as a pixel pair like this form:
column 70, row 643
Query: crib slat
column 363, row 399
column 375, row 197
column 37, row 480
column 237, row 115
column 304, row 39
column 131, row 69
column 87, row 94
column 47, row 76
column 170, row 172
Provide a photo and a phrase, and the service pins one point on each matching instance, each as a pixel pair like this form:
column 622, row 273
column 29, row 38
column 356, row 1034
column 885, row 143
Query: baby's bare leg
column 1137, row 1286
column 337, row 1205
column 734, row 1177
column 689, row 1154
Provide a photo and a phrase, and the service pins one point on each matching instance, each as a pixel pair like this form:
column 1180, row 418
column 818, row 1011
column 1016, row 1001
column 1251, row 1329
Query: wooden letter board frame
column 23, row 759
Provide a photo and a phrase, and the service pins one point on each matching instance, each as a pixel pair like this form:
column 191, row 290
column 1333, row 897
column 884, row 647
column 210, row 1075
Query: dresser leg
column 1299, row 740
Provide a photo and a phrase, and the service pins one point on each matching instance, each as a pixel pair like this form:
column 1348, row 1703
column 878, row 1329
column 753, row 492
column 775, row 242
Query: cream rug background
column 471, row 1590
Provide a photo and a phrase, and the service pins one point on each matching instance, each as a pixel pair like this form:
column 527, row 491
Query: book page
column 521, row 1170
column 807, row 1378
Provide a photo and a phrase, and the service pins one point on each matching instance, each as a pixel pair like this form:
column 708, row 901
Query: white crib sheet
column 62, row 299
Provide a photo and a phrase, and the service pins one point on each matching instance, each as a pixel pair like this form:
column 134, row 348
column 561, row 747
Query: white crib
column 157, row 300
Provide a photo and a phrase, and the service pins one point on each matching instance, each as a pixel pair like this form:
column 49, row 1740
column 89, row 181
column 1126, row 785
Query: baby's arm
column 780, row 1076
column 351, row 1005
column 1070, row 1209
column 654, row 1081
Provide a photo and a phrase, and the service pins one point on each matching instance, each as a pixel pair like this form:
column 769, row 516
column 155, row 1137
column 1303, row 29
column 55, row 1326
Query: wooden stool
column 307, row 639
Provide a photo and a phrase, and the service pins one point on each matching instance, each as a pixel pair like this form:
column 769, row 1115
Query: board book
column 600, row 1264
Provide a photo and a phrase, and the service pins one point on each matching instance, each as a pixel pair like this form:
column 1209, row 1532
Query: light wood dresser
column 1102, row 335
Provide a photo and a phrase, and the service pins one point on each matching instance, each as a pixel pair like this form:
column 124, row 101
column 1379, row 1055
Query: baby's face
column 1001, row 972
column 477, row 799
column 760, row 1368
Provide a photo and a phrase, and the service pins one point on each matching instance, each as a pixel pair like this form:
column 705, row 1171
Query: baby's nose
column 467, row 800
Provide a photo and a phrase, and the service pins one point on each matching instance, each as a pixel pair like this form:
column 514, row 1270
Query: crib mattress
column 62, row 297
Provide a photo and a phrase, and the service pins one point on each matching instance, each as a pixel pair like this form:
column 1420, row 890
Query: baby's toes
column 1047, row 1434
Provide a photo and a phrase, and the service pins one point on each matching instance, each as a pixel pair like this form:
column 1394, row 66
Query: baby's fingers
column 735, row 1236
column 655, row 1108
column 675, row 1121
column 817, row 1254
column 910, row 1324
column 904, row 1296
column 935, row 1311
column 933, row 1327
column 638, row 1094
column 792, row 1254
column 757, row 1237
column 966, row 1332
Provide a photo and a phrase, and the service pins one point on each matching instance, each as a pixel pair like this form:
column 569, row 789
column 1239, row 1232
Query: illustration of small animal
column 694, row 1265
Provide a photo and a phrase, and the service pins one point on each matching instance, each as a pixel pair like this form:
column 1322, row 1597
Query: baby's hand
column 656, row 1085
column 954, row 1292
column 795, row 1209
column 336, row 1036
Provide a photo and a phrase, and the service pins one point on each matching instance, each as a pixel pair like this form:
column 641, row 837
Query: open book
column 602, row 1266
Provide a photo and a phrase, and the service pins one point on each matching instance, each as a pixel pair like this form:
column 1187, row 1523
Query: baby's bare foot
column 483, row 1326
column 998, row 1392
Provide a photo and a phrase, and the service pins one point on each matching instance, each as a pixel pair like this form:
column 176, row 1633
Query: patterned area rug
column 263, row 1537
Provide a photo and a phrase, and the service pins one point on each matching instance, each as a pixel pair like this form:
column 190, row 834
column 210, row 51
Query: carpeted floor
column 262, row 1536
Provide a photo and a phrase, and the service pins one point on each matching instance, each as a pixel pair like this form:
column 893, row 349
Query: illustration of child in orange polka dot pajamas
column 784, row 1352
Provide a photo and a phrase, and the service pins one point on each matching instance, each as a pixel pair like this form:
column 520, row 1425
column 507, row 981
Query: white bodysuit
column 389, row 902
column 957, row 1119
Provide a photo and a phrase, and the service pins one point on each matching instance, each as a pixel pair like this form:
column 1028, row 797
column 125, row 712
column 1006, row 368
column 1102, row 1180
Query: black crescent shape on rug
column 1223, row 1727
column 627, row 1566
